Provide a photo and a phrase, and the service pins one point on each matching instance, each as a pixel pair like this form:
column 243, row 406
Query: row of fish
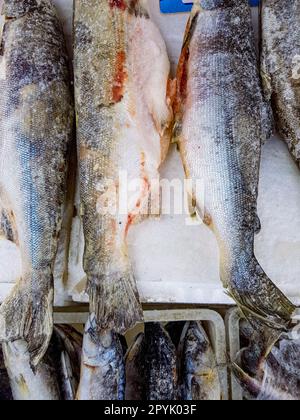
column 127, row 110
column 160, row 365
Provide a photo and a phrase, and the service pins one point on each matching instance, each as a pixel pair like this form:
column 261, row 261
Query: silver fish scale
column 36, row 119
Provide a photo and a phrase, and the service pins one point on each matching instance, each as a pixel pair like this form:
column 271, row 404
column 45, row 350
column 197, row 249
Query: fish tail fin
column 260, row 300
column 114, row 300
column 28, row 315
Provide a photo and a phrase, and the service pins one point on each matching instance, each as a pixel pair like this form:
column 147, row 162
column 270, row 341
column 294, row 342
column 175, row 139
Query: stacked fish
column 127, row 110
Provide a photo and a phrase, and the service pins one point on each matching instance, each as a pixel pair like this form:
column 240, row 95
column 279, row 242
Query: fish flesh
column 102, row 367
column 219, row 127
column 151, row 371
column 5, row 389
column 199, row 376
column 36, row 123
column 57, row 375
column 280, row 67
column 123, row 123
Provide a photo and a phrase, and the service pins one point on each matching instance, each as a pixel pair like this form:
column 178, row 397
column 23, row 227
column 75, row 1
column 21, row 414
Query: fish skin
column 102, row 367
column 123, row 123
column 36, row 122
column 280, row 67
column 151, row 366
column 220, row 114
column 5, row 389
column 199, row 372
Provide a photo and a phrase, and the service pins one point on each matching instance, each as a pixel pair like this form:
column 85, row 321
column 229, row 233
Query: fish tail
column 260, row 300
column 114, row 301
column 27, row 314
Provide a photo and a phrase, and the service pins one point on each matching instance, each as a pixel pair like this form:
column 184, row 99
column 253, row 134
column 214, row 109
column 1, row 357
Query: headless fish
column 220, row 120
column 36, row 123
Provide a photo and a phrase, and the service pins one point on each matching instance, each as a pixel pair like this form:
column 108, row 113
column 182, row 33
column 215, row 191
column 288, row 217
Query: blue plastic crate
column 175, row 6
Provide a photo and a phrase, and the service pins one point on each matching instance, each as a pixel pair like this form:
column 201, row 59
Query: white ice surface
column 174, row 262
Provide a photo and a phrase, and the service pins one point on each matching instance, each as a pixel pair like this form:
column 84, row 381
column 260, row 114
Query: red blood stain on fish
column 119, row 4
column 119, row 77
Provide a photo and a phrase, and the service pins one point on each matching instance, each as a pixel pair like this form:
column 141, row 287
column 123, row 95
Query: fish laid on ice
column 36, row 122
column 102, row 366
column 220, row 120
column 5, row 389
column 151, row 372
column 123, row 121
column 280, row 67
column 199, row 377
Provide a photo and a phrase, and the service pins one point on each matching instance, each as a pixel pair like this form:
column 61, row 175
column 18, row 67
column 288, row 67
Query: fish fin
column 27, row 315
column 114, row 300
column 271, row 307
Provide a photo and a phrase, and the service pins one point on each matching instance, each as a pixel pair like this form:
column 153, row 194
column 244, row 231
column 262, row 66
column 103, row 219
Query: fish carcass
column 280, row 67
column 151, row 371
column 36, row 122
column 280, row 379
column 199, row 376
column 220, row 121
column 102, row 367
column 123, row 120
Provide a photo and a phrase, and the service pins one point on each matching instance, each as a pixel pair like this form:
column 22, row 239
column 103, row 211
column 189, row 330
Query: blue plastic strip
column 177, row 6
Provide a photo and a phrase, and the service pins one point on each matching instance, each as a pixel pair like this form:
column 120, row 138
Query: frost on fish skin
column 123, row 120
column 220, row 113
column 103, row 367
column 280, row 67
column 36, row 122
